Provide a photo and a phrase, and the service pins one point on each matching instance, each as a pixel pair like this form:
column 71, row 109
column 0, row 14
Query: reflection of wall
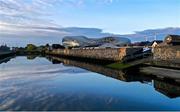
column 168, row 89
column 111, row 54
column 117, row 74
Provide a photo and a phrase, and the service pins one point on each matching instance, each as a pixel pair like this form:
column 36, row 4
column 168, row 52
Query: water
column 34, row 83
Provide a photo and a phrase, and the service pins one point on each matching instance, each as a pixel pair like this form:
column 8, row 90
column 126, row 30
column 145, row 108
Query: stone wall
column 167, row 53
column 110, row 54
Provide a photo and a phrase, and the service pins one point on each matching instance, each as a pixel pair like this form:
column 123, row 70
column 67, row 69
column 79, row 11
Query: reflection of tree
column 31, row 57
column 5, row 60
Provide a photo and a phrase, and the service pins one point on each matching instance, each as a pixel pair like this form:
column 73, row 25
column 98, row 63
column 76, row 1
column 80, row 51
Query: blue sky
column 34, row 20
column 121, row 16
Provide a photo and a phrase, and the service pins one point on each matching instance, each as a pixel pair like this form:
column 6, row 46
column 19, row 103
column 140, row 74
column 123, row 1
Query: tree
column 31, row 47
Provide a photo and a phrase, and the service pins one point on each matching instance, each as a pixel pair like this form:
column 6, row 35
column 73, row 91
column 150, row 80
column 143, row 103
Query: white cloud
column 36, row 8
column 28, row 17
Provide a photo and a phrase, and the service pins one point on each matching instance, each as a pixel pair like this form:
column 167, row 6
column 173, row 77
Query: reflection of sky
column 38, row 84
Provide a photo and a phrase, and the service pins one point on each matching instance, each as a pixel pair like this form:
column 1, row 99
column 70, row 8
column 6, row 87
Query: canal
column 49, row 83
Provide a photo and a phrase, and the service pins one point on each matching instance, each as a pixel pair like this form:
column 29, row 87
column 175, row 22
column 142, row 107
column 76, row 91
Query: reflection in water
column 171, row 90
column 117, row 74
column 67, row 85
column 5, row 60
column 31, row 57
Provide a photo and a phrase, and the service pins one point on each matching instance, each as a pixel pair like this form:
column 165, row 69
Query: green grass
column 118, row 65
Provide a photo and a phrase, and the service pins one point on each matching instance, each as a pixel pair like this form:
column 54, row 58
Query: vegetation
column 31, row 47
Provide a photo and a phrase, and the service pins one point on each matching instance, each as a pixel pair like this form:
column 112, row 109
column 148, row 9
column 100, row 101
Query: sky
column 42, row 21
column 121, row 16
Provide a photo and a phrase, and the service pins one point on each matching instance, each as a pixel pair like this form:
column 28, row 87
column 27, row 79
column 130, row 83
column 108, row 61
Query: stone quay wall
column 167, row 53
column 109, row 54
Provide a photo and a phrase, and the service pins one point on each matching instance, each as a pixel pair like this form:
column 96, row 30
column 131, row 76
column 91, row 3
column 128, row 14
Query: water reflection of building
column 117, row 74
column 169, row 89
column 4, row 48
column 5, row 60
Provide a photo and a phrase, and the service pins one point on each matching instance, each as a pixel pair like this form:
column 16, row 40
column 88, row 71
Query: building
column 82, row 41
column 4, row 48
column 143, row 43
column 155, row 43
column 108, row 45
column 57, row 46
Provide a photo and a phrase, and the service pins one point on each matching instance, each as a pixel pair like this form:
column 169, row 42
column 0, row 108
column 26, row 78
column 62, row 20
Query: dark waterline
column 34, row 83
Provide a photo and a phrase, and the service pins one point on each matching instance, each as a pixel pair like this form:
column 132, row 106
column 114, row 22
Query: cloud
column 13, row 34
column 58, row 31
column 20, row 17
column 21, row 12
column 110, row 1
column 26, row 21
column 35, row 11
column 151, row 33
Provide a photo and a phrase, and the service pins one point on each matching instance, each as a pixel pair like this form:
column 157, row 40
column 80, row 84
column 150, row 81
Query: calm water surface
column 37, row 84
